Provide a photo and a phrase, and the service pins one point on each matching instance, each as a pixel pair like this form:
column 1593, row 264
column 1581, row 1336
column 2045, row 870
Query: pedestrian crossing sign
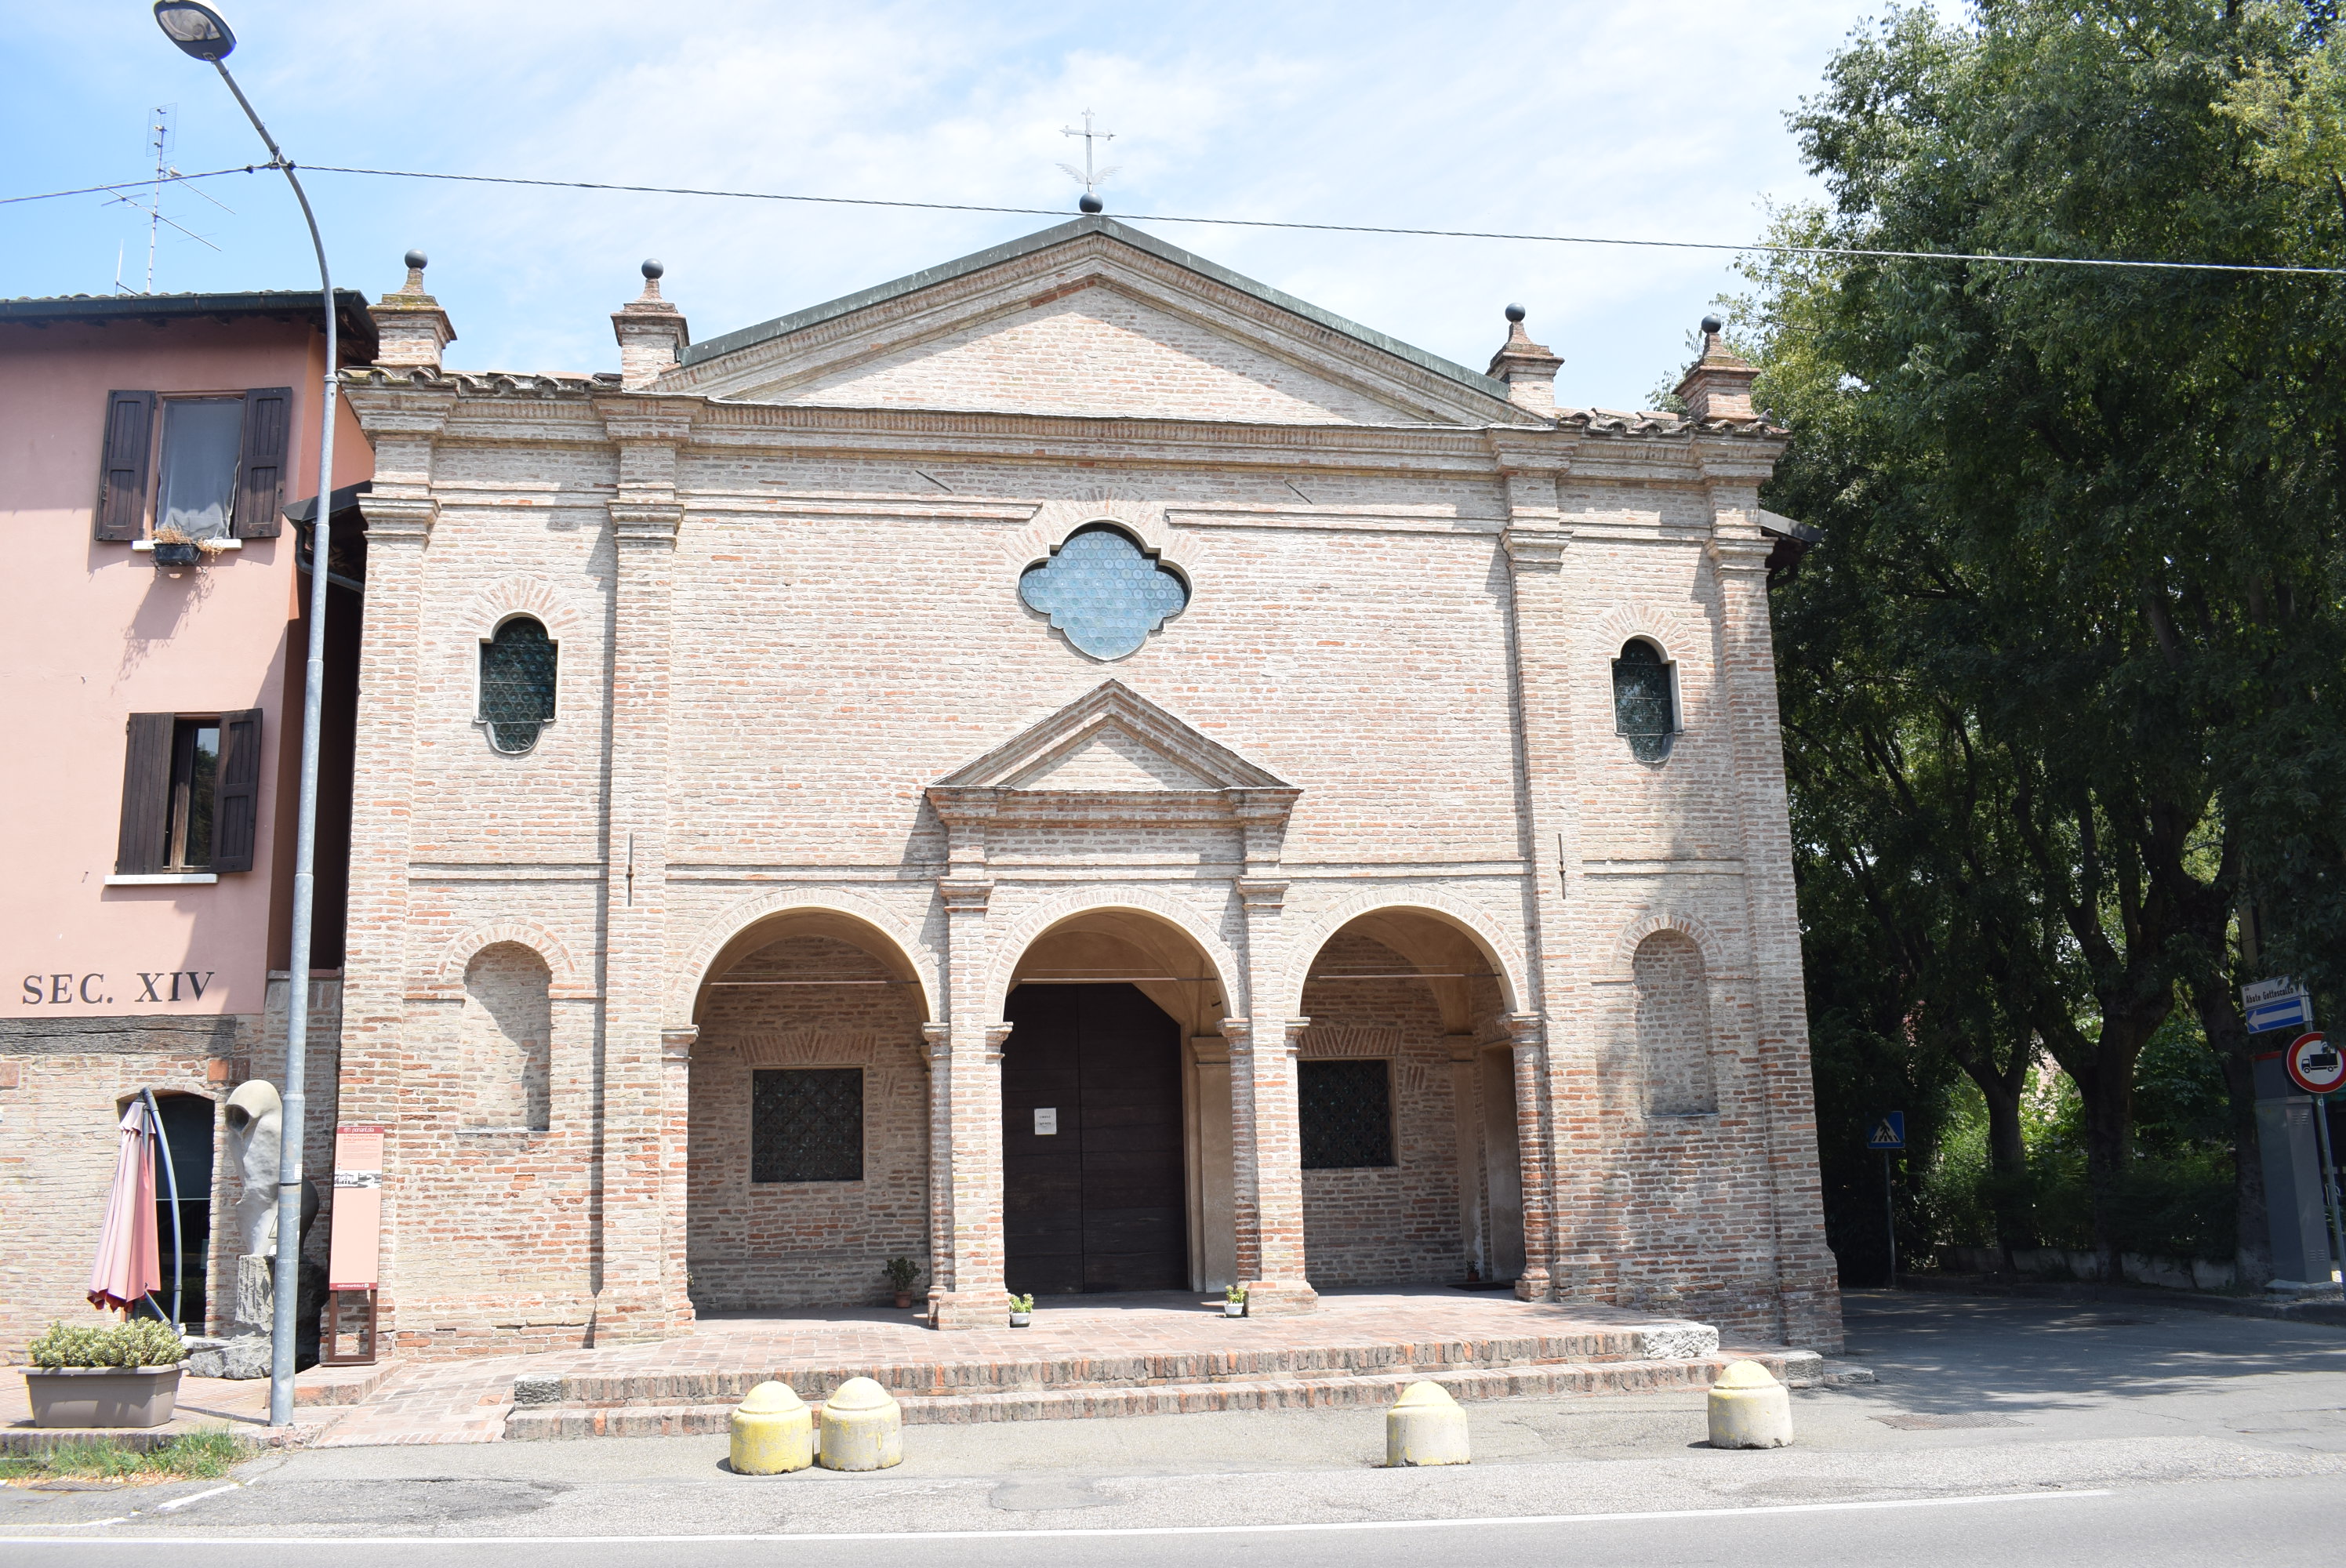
column 1888, row 1132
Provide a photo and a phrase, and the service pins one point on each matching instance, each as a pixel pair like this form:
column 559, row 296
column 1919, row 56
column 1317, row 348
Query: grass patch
column 190, row 1456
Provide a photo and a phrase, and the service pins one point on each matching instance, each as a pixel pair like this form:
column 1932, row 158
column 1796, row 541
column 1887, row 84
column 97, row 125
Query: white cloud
column 1656, row 120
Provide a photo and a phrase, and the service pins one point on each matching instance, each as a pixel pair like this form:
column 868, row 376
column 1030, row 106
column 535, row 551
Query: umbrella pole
column 172, row 1176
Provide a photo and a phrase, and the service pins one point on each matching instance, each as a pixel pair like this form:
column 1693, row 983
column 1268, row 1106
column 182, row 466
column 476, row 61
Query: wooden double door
column 1092, row 1179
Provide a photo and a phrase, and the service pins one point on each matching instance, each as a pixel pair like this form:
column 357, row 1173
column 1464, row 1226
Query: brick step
column 929, row 1379
column 1306, row 1391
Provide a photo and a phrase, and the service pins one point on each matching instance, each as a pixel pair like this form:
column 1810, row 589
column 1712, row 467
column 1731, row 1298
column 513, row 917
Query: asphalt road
column 2027, row 1429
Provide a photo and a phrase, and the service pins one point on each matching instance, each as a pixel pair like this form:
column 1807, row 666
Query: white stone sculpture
column 255, row 1121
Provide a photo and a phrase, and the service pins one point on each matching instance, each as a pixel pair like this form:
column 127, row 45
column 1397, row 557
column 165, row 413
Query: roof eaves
column 1027, row 245
column 356, row 327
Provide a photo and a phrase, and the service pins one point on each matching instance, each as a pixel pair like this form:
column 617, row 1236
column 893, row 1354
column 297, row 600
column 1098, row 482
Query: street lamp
column 202, row 33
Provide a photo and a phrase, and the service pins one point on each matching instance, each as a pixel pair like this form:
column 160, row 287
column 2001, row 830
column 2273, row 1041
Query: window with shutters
column 190, row 794
column 207, row 466
column 517, row 684
column 806, row 1124
column 1345, row 1111
column 1645, row 700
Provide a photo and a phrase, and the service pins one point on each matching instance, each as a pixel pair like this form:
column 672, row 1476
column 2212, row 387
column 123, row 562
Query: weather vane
column 1089, row 177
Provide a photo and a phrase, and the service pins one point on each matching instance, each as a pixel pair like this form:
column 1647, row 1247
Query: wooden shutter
column 122, row 470
column 235, row 805
column 261, row 475
column 146, row 794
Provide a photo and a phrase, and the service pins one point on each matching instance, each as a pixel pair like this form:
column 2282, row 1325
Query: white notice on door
column 1046, row 1121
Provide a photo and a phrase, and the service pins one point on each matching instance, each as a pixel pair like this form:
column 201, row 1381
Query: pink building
column 153, row 627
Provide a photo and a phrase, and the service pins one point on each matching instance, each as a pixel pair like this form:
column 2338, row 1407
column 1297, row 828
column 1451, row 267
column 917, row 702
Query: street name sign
column 2277, row 1003
column 1888, row 1132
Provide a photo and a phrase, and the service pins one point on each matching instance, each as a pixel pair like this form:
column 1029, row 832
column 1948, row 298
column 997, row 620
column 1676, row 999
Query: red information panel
column 351, row 1265
column 2314, row 1065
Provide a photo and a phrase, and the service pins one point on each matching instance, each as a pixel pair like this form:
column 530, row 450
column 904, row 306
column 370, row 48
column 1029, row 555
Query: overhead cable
column 1732, row 247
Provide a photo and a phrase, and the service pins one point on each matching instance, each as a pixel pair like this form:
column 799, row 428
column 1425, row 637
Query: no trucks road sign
column 2314, row 1065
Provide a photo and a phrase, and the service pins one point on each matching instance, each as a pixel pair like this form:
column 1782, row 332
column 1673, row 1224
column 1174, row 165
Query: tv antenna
column 1089, row 177
column 162, row 136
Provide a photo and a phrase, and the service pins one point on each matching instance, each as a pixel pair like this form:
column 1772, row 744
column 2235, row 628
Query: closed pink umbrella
column 128, row 1263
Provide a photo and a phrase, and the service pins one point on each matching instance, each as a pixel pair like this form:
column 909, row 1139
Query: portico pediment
column 1112, row 758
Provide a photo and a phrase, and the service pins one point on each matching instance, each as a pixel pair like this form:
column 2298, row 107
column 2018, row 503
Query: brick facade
column 821, row 788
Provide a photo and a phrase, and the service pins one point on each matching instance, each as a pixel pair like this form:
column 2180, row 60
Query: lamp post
column 199, row 31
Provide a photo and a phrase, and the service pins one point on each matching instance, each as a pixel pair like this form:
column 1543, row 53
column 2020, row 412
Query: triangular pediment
column 1111, row 741
column 1090, row 320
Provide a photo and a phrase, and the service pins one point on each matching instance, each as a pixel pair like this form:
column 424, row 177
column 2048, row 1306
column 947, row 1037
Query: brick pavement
column 1070, row 1348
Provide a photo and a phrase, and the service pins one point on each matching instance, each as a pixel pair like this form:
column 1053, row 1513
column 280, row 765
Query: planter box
column 102, row 1396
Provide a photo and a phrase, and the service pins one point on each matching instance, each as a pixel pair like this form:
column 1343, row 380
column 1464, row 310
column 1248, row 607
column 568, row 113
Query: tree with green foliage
column 2060, row 686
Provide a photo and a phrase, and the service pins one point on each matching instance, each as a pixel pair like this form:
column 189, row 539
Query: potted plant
column 903, row 1275
column 120, row 1375
column 1234, row 1301
column 1022, row 1311
column 175, row 550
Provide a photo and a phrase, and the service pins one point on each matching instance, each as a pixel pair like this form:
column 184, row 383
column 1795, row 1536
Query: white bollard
column 773, row 1432
column 1425, row 1426
column 861, row 1428
column 1749, row 1408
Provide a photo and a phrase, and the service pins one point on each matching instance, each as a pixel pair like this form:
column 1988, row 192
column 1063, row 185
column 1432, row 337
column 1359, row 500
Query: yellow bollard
column 1749, row 1408
column 861, row 1428
column 1425, row 1426
column 773, row 1432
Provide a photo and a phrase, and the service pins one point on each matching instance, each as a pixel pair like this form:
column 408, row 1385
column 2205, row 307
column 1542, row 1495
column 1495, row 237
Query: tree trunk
column 2002, row 1087
column 2228, row 1037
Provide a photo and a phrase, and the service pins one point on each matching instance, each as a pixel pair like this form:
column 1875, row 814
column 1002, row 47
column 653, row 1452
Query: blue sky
column 1655, row 120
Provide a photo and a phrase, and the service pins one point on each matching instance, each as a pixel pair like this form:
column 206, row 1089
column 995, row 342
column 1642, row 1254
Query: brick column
column 1808, row 1295
column 1556, row 1072
column 1529, row 1059
column 1466, row 1129
column 642, row 1291
column 675, row 1153
column 1266, row 1133
column 399, row 515
column 969, row 1292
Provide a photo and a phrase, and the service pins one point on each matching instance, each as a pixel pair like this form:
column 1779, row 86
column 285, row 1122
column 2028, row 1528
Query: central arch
column 1115, row 1108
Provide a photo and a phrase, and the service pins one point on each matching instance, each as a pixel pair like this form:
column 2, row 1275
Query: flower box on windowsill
column 103, row 1396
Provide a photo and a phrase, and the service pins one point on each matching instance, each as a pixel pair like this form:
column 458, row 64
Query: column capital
column 677, row 1040
column 965, row 895
column 1741, row 554
column 1528, row 1031
column 997, row 1035
column 1537, row 548
column 399, row 517
column 1264, row 894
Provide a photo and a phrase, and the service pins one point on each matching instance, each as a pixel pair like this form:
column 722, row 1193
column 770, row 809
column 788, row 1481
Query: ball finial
column 1516, row 312
column 1090, row 203
column 1710, row 326
column 653, row 271
column 417, row 260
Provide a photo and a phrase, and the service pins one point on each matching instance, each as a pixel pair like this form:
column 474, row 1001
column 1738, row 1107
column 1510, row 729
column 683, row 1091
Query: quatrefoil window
column 1104, row 592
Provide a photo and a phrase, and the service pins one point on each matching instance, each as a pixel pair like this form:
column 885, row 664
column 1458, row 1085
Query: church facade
column 1077, row 771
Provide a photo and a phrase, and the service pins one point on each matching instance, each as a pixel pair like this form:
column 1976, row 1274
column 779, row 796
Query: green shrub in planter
column 141, row 1342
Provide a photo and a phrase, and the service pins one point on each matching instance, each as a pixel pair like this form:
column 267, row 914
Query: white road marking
column 195, row 1497
column 812, row 1538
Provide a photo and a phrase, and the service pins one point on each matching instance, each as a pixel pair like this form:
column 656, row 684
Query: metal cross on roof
column 1090, row 178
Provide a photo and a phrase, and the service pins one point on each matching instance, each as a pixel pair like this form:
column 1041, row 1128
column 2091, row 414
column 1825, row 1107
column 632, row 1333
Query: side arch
column 566, row 982
column 1716, row 959
column 1023, row 933
column 1505, row 955
column 919, row 960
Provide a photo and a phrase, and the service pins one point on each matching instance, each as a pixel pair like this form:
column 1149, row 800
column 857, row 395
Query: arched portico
column 1411, row 1102
column 1115, row 1106
column 809, row 1115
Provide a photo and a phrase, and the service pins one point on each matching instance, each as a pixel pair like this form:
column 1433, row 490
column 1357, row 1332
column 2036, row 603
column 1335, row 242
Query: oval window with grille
column 517, row 668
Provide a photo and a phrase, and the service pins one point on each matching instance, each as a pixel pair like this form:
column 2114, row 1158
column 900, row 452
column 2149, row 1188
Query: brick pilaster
column 399, row 515
column 1808, row 1291
column 642, row 1291
column 1554, row 1067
